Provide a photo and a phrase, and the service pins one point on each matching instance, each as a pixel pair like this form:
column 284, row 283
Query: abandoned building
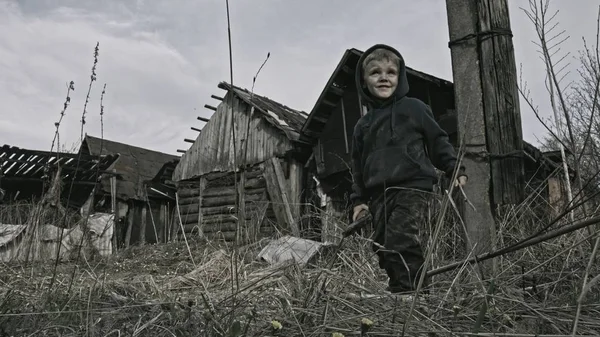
column 26, row 174
column 265, row 160
column 43, row 193
column 145, row 207
column 330, row 125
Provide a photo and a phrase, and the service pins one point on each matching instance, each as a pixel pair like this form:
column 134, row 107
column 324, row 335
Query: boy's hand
column 358, row 209
column 460, row 181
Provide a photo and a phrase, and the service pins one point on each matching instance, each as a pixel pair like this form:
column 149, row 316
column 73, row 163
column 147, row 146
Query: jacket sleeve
column 357, row 196
column 441, row 152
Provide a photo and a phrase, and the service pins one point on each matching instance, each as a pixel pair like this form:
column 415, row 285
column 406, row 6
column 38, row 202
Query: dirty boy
column 395, row 148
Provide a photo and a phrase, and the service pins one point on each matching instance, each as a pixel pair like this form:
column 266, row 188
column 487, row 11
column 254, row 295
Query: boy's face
column 381, row 78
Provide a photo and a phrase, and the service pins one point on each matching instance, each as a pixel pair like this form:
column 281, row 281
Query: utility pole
column 489, row 121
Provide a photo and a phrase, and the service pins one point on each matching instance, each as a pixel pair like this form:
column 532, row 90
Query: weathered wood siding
column 213, row 150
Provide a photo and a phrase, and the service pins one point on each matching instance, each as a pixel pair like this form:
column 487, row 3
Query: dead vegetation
column 160, row 291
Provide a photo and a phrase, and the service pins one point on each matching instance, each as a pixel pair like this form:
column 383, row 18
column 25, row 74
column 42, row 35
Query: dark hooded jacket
column 398, row 142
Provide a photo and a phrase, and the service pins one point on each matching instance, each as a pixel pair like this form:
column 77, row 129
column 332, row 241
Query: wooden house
column 251, row 142
column 139, row 210
column 330, row 125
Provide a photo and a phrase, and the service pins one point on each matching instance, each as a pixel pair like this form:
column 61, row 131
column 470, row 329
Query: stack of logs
column 207, row 205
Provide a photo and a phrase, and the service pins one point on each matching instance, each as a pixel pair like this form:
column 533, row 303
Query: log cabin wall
column 207, row 206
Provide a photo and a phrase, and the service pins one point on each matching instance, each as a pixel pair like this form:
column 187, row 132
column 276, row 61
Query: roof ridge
column 129, row 145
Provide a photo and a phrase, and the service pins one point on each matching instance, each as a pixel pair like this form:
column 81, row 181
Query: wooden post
column 487, row 102
column 143, row 224
column 130, row 219
column 115, row 211
column 162, row 215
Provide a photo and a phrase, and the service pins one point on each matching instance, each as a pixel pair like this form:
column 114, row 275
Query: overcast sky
column 161, row 60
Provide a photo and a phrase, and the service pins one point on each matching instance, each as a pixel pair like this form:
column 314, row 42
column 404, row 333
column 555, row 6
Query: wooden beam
column 216, row 97
column 210, row 107
column 189, row 140
column 205, row 120
column 181, row 151
column 196, row 129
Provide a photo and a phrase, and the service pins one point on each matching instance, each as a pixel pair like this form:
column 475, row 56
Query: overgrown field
column 161, row 291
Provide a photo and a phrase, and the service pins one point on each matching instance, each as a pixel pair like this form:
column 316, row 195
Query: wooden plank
column 143, row 225
column 162, row 218
column 130, row 218
column 285, row 196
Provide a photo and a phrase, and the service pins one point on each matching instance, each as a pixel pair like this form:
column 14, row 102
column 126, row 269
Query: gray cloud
column 162, row 60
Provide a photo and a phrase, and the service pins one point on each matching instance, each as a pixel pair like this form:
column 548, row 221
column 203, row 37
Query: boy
column 394, row 150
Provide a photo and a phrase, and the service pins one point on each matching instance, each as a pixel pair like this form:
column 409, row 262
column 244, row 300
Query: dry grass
column 158, row 291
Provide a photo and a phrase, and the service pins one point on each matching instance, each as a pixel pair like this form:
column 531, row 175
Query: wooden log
column 189, row 140
column 216, row 97
column 227, row 200
column 188, row 201
column 185, row 193
column 196, row 129
column 218, row 191
column 250, row 207
column 189, row 208
column 189, row 218
column 181, row 151
column 203, row 119
column 225, row 191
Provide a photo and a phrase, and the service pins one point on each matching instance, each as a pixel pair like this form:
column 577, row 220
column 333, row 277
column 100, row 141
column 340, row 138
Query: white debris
column 290, row 248
column 279, row 120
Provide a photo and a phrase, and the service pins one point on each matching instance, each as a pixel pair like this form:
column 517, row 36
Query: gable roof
column 136, row 165
column 343, row 76
column 288, row 120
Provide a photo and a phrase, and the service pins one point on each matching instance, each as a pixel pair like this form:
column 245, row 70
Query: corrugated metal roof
column 282, row 117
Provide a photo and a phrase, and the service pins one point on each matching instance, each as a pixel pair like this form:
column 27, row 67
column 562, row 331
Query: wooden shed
column 139, row 216
column 255, row 140
column 330, row 125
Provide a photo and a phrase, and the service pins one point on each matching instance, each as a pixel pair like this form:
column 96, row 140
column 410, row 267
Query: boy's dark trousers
column 398, row 220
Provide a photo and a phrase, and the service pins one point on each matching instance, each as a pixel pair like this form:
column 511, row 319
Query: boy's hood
column 365, row 95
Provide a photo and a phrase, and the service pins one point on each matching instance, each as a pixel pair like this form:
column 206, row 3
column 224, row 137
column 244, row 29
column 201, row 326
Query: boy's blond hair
column 380, row 54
